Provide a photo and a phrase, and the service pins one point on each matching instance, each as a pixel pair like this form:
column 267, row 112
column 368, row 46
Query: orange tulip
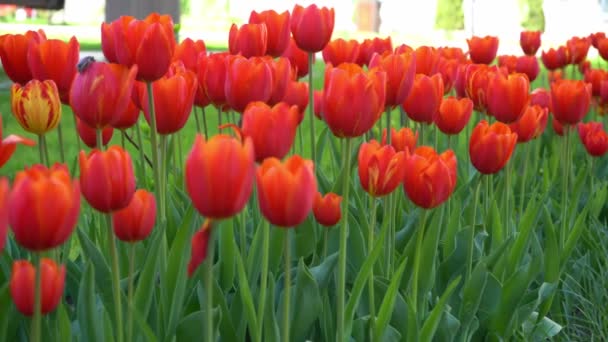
column 584, row 66
column 278, row 28
column 422, row 103
column 454, row 53
column 173, row 99
column 326, row 209
column 56, row 60
column 570, row 100
column 135, row 222
column 188, row 51
column 555, row 58
column 381, row 168
column 199, row 244
column 249, row 40
column 106, row 178
column 211, row 76
column 402, row 140
column 530, row 42
column 595, row 78
column 528, row 65
column 281, row 76
column 448, row 68
column 36, row 106
column 219, row 175
column 340, row 51
column 531, row 124
column 369, row 47
column 88, row 134
column 453, row 114
column 43, row 207
column 286, row 190
column 22, row 285
column 594, row 138
column 312, row 27
column 3, row 211
column 133, row 41
column 296, row 94
column 272, row 129
column 431, row 177
column 578, row 47
column 247, row 80
column 101, row 93
column 507, row 96
column 427, row 60
column 483, row 49
column 298, row 58
column 491, row 146
column 9, row 144
column 400, row 72
column 353, row 99
column 13, row 53
column 508, row 61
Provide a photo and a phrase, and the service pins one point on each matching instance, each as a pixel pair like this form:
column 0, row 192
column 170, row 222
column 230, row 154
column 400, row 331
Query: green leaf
column 245, row 294
column 227, row 264
column 540, row 331
column 64, row 326
column 271, row 327
column 573, row 237
column 8, row 326
column 146, row 284
column 307, row 303
column 87, row 312
column 496, row 225
column 449, row 238
column 430, row 325
column 525, row 228
column 388, row 303
column 472, row 295
column 429, row 252
column 323, row 272
column 190, row 328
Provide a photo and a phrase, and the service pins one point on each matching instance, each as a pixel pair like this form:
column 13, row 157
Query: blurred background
column 414, row 22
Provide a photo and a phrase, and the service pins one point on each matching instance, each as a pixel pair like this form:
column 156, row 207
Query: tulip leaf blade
column 307, row 301
column 430, row 325
column 86, row 309
column 388, row 302
column 245, row 294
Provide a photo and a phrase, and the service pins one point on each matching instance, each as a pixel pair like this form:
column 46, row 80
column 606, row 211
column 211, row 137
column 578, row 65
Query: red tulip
column 188, row 51
column 483, row 49
column 427, row 60
column 326, row 209
column 9, row 144
column 211, row 76
column 101, row 93
column 422, row 103
column 369, row 47
column 353, row 99
column 36, row 106
column 478, row 77
column 219, row 175
column 3, row 211
column 249, row 40
column 381, row 168
column 173, row 99
column 88, row 134
column 570, row 100
column 508, row 61
column 531, row 124
column 507, row 96
column 296, row 94
column 200, row 241
column 340, row 51
column 431, row 177
column 56, row 60
column 23, row 280
column 558, row 128
column 596, row 38
column 43, row 207
column 318, row 103
column 448, row 68
column 595, row 78
column 491, row 146
column 530, row 42
column 584, row 66
column 247, row 80
column 272, row 129
column 134, row 40
column 129, row 117
column 298, row 58
column 286, row 190
column 106, row 178
column 541, row 97
column 454, row 53
column 528, row 65
column 402, row 140
column 461, row 78
column 281, row 76
column 312, row 27
column 577, row 49
column 555, row 58
column 594, row 138
column 278, row 28
column 454, row 114
column 13, row 53
column 400, row 73
column 602, row 48
column 135, row 222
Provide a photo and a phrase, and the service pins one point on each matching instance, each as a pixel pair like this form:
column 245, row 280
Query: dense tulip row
column 259, row 79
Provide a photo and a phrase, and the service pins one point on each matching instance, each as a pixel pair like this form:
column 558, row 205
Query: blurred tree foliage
column 184, row 6
column 533, row 15
column 449, row 15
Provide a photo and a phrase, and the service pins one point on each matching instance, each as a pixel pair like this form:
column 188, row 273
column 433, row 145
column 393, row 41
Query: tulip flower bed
column 390, row 193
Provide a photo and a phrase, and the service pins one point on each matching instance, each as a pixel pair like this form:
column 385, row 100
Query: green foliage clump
column 534, row 17
column 449, row 15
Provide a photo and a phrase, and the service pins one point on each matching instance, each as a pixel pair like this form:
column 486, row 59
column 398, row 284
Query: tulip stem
column 472, row 232
column 205, row 129
column 198, row 122
column 219, row 118
column 60, row 139
column 264, row 278
column 522, row 186
column 162, row 177
column 342, row 249
column 507, row 228
column 99, row 139
column 41, row 143
column 130, row 290
column 142, row 155
column 123, row 138
column 311, row 106
column 370, row 244
column 37, row 318
column 115, row 278
column 76, row 131
column 210, row 333
column 417, row 257
column 566, row 175
column 388, row 126
column 153, row 140
column 287, row 289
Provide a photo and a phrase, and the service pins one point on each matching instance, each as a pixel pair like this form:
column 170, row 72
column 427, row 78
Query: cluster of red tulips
column 260, row 79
